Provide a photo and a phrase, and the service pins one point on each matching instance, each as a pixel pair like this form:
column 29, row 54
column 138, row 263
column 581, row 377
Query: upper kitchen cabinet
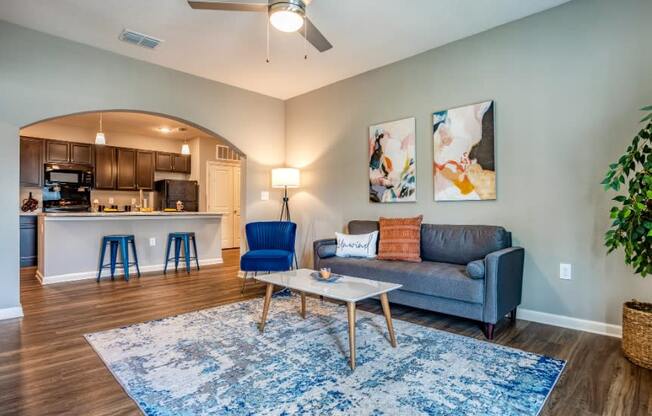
column 126, row 169
column 81, row 153
column 145, row 169
column 31, row 162
column 105, row 167
column 172, row 162
column 68, row 152
column 57, row 151
column 164, row 161
column 181, row 163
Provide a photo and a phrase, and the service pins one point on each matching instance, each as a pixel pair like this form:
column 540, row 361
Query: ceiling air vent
column 139, row 39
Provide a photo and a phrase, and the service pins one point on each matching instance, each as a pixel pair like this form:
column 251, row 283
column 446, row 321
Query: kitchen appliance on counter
column 170, row 191
column 67, row 187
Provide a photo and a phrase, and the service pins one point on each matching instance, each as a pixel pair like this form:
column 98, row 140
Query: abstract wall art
column 392, row 161
column 464, row 161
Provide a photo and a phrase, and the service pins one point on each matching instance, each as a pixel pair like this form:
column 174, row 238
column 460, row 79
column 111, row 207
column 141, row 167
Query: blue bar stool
column 178, row 239
column 118, row 242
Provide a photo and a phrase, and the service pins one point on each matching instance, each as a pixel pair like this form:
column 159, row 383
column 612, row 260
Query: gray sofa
column 441, row 282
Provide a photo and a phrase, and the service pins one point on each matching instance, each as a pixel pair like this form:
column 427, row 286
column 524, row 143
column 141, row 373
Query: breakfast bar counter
column 69, row 243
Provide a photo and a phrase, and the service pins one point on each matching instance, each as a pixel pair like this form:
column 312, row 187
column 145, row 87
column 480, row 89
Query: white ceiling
column 230, row 46
column 129, row 122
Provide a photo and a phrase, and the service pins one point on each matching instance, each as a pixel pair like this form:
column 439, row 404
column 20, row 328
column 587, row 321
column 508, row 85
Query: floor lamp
column 286, row 178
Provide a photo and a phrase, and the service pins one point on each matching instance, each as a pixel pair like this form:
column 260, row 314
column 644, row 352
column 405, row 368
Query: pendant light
column 185, row 148
column 99, row 137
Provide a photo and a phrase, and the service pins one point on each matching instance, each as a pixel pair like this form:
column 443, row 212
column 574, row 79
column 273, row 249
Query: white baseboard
column 10, row 313
column 71, row 277
column 595, row 327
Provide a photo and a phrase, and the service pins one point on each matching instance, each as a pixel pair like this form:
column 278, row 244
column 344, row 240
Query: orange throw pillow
column 400, row 239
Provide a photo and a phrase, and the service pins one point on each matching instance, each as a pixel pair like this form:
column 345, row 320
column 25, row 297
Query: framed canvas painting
column 464, row 160
column 392, row 161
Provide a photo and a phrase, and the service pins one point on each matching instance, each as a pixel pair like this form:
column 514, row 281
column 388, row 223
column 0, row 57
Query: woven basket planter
column 637, row 333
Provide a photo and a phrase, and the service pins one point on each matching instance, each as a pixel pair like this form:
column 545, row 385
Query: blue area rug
column 215, row 361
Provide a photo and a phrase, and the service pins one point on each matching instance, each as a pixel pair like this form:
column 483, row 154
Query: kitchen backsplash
column 120, row 198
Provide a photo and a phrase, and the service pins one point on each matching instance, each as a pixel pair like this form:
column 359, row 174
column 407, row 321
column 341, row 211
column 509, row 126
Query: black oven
column 68, row 174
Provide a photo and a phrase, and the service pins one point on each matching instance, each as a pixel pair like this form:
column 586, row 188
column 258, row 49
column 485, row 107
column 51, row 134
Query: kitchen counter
column 127, row 215
column 69, row 242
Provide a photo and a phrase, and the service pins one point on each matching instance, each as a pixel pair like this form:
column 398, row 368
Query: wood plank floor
column 46, row 366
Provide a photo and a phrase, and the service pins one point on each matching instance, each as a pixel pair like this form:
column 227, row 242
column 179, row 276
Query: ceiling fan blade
column 315, row 37
column 238, row 7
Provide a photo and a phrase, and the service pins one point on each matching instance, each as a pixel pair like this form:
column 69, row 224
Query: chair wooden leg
column 512, row 315
column 303, row 305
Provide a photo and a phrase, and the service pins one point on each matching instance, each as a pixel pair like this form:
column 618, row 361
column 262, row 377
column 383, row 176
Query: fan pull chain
column 267, row 58
column 305, row 37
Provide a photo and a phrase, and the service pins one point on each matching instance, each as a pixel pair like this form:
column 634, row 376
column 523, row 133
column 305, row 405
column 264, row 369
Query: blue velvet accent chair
column 271, row 248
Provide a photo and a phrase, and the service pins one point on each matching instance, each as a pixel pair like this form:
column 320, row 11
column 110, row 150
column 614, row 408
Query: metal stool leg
column 125, row 257
column 186, row 252
column 167, row 254
column 177, row 253
column 194, row 246
column 114, row 257
column 133, row 247
column 102, row 251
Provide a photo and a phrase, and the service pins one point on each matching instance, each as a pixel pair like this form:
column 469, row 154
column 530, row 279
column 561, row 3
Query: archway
column 201, row 154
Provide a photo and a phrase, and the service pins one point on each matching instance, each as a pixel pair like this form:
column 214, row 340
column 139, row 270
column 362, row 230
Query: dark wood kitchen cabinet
column 31, row 162
column 105, row 167
column 57, row 151
column 164, row 161
column 81, row 153
column 181, row 163
column 145, row 169
column 172, row 162
column 126, row 169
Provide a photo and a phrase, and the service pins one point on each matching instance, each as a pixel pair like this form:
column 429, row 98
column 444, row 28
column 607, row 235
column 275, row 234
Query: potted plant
column 631, row 230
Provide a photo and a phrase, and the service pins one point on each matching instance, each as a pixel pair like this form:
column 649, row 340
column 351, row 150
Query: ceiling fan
column 284, row 15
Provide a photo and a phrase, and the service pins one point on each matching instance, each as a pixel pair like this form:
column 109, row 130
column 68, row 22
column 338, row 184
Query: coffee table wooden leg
column 351, row 309
column 268, row 299
column 303, row 305
column 388, row 318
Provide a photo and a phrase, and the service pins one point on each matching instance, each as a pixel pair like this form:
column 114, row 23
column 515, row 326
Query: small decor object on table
column 325, row 275
column 392, row 161
column 631, row 230
column 29, row 204
column 463, row 143
column 179, row 206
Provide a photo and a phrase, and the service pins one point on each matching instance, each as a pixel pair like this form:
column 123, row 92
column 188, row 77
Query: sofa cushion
column 428, row 278
column 266, row 260
column 475, row 269
column 363, row 227
column 461, row 244
column 400, row 239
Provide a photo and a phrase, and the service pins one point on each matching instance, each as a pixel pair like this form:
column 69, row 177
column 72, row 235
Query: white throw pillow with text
column 356, row 245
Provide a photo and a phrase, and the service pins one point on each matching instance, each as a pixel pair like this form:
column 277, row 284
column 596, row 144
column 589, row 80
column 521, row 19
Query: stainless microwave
column 68, row 174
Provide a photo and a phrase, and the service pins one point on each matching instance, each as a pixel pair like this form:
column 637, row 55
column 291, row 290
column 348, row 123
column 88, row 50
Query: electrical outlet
column 111, row 201
column 152, row 242
column 565, row 271
column 264, row 196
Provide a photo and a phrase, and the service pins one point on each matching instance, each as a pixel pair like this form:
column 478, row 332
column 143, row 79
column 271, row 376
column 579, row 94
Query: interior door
column 236, row 206
column 220, row 199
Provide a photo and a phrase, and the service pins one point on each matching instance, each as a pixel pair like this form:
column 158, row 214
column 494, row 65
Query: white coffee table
column 348, row 289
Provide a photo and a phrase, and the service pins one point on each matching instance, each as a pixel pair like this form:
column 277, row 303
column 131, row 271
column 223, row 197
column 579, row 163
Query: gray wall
column 567, row 84
column 43, row 76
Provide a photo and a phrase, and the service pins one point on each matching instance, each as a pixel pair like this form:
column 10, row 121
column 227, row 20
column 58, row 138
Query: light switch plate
column 264, row 196
column 565, row 271
column 152, row 241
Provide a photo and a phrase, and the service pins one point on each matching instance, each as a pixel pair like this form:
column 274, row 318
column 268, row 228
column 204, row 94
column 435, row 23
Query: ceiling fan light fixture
column 287, row 17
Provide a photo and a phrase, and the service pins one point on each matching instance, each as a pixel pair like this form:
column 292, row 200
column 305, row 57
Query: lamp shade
column 285, row 177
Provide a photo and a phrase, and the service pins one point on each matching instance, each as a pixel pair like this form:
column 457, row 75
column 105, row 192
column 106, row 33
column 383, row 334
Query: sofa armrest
column 323, row 249
column 503, row 283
